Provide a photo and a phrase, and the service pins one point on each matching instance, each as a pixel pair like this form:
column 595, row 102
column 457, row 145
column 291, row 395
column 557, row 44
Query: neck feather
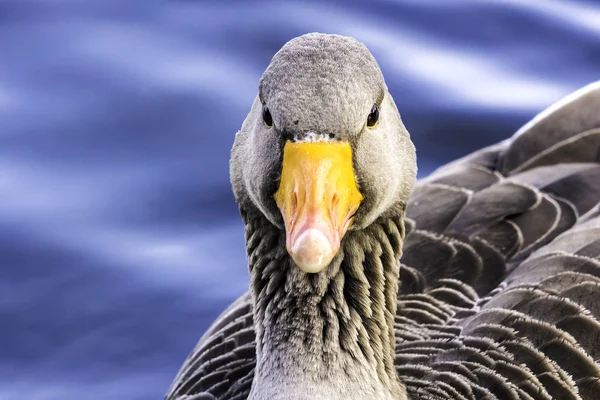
column 323, row 331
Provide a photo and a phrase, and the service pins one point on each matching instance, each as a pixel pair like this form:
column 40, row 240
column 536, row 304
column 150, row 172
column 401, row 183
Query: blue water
column 119, row 238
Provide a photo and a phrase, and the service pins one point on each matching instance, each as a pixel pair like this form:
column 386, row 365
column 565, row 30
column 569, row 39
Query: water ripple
column 121, row 239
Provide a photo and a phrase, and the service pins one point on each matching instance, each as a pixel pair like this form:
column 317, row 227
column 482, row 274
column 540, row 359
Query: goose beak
column 317, row 197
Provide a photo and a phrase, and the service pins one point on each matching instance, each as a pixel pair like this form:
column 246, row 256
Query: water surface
column 120, row 239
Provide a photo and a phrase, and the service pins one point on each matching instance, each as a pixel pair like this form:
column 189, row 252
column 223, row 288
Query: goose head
column 323, row 149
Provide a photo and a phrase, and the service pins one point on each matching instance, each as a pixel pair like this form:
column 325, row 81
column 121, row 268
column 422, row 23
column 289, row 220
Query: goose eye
column 373, row 116
column 267, row 119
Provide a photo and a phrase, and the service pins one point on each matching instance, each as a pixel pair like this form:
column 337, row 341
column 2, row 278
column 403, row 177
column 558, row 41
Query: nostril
column 335, row 200
column 331, row 135
column 294, row 200
column 293, row 211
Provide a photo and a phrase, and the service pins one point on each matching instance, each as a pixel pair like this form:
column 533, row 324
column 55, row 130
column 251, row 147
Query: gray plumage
column 481, row 284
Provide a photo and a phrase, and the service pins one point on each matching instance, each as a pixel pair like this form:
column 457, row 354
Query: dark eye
column 268, row 120
column 373, row 116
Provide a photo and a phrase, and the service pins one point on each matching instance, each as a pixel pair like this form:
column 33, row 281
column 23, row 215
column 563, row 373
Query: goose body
column 483, row 283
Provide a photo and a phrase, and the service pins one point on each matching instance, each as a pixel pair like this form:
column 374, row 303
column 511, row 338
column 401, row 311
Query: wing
column 500, row 276
column 501, row 272
column 222, row 364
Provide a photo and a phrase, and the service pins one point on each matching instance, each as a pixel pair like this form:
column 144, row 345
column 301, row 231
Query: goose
column 481, row 281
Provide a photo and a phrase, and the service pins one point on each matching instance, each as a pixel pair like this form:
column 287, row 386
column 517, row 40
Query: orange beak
column 317, row 197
